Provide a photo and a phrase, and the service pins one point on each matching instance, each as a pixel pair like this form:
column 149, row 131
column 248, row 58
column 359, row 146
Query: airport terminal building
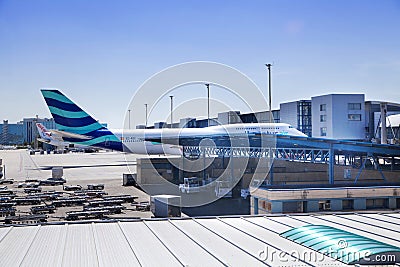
column 339, row 116
column 24, row 131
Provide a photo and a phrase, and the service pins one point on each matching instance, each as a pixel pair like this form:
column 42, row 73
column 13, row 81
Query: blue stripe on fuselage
column 115, row 145
column 92, row 141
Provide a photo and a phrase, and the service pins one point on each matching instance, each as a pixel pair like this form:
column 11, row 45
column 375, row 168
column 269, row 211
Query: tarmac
column 105, row 167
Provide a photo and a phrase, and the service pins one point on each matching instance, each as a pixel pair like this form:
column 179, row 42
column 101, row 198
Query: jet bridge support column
column 376, row 163
column 331, row 165
column 383, row 123
column 271, row 167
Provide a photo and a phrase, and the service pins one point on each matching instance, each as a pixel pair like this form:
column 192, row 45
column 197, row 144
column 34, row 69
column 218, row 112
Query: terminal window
column 377, row 203
column 322, row 118
column 322, row 107
column 323, row 131
column 354, row 106
column 293, row 206
column 348, row 204
column 354, row 117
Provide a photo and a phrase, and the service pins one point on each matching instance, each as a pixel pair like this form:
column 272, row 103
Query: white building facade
column 339, row 116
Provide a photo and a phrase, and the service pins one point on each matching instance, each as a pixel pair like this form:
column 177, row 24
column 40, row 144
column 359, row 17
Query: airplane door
column 107, row 141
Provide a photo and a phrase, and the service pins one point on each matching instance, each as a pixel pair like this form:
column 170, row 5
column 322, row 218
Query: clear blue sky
column 100, row 52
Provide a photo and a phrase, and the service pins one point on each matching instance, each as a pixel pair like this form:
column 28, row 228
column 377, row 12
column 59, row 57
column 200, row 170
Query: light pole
column 172, row 108
column 129, row 119
column 145, row 107
column 208, row 103
column 269, row 91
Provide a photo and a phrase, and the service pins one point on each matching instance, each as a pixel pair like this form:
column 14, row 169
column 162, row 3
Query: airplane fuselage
column 134, row 140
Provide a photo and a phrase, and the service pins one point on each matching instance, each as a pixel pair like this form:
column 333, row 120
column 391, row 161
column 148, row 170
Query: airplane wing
column 70, row 135
column 43, row 140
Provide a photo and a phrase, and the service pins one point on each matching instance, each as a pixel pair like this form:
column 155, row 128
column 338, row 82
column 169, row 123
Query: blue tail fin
column 72, row 119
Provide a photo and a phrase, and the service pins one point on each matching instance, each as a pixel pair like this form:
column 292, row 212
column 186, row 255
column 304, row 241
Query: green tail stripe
column 68, row 114
column 80, row 130
column 61, row 98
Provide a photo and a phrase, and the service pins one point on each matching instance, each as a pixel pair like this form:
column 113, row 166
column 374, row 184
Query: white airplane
column 54, row 138
column 49, row 137
column 76, row 126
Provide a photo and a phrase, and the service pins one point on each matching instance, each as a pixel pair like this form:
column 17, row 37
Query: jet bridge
column 304, row 149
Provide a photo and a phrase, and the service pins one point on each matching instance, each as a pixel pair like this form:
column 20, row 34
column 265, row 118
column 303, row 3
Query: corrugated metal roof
column 216, row 241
